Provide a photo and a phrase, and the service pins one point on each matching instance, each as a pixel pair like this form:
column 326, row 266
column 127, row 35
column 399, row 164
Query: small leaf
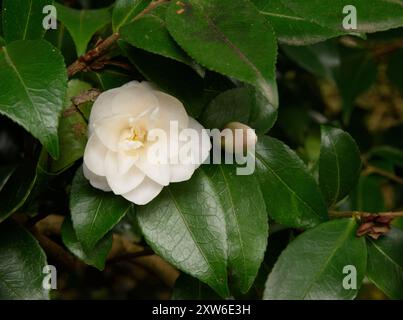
column 149, row 33
column 83, row 24
column 16, row 190
column 94, row 213
column 22, row 19
column 339, row 164
column 95, row 257
column 385, row 263
column 72, row 129
column 189, row 288
column 312, row 266
column 187, row 87
column 229, row 37
column 291, row 28
column 244, row 105
column 125, row 10
column 109, row 79
column 291, row 194
column 33, row 83
column 21, row 264
column 389, row 153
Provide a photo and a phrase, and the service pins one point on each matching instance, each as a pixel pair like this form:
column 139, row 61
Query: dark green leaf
column 149, row 33
column 339, row 164
column 320, row 59
column 83, row 24
column 95, row 257
column 62, row 40
column 291, row 28
column 385, row 263
column 21, row 264
column 33, row 83
column 187, row 86
column 185, row 225
column 244, row 105
column 109, row 79
column 17, row 188
column 291, row 194
column 5, row 174
column 246, row 222
column 378, row 16
column 72, row 129
column 22, row 19
column 311, row 267
column 125, row 10
column 389, row 153
column 189, row 288
column 94, row 213
column 367, row 196
column 229, row 37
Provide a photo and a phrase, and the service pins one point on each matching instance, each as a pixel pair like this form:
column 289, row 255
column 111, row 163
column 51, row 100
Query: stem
column 371, row 169
column 348, row 214
column 83, row 62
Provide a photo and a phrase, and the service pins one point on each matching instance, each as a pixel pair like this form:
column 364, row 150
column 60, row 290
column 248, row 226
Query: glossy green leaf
column 291, row 194
column 33, row 83
column 367, row 195
column 22, row 19
column 246, row 222
column 389, row 153
column 62, row 40
column 72, row 128
column 109, row 79
column 149, row 33
column 290, row 28
column 187, row 87
column 16, row 190
column 94, row 213
column 244, row 105
column 189, row 288
column 378, row 16
column 312, row 266
column 125, row 10
column 21, row 264
column 229, row 37
column 321, row 59
column 395, row 69
column 216, row 218
column 83, row 24
column 95, row 257
column 385, row 263
column 5, row 174
column 339, row 164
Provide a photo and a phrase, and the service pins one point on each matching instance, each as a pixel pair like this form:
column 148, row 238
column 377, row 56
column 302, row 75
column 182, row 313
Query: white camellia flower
column 117, row 155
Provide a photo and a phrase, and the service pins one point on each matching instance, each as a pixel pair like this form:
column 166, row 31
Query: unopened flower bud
column 237, row 137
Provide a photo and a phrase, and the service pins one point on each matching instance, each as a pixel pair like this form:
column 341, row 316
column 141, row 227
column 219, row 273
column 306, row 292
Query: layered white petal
column 153, row 169
column 94, row 155
column 181, row 172
column 121, row 183
column 171, row 109
column 134, row 101
column 102, row 106
column 144, row 193
column 96, row 181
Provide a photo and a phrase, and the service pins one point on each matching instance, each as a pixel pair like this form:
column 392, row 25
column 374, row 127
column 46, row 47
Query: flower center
column 133, row 138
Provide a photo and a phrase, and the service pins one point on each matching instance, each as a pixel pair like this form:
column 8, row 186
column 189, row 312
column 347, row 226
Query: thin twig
column 371, row 169
column 83, row 63
column 359, row 214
